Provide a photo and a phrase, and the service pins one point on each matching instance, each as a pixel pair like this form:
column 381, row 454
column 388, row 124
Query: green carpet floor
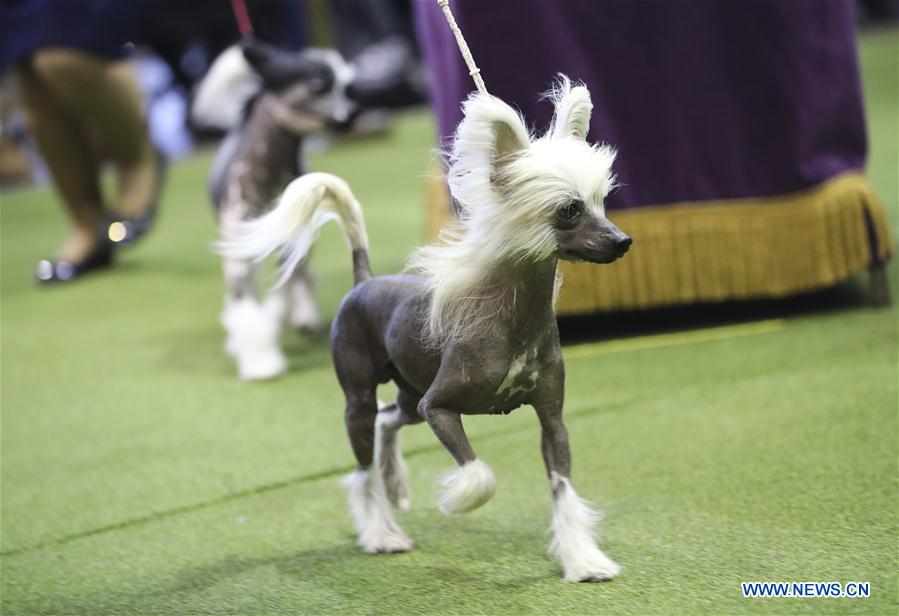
column 140, row 477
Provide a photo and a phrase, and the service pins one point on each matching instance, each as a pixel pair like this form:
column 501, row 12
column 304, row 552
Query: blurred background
column 731, row 382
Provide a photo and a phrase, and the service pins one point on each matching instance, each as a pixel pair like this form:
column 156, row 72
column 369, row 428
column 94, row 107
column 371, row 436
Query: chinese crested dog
column 474, row 330
column 288, row 96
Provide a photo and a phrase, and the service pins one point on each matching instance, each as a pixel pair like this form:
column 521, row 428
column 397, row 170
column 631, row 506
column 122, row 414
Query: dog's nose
column 622, row 244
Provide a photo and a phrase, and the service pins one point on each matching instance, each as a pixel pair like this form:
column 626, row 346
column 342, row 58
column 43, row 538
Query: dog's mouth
column 597, row 248
column 599, row 256
column 599, row 259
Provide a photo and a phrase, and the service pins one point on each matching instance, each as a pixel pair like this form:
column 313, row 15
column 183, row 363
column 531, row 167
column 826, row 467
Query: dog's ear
column 573, row 107
column 509, row 138
column 280, row 69
column 258, row 53
column 491, row 132
column 490, row 136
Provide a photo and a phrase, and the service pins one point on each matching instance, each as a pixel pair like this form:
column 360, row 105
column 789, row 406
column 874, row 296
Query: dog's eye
column 570, row 211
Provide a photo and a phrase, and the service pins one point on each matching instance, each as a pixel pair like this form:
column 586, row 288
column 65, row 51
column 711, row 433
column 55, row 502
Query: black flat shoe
column 59, row 270
column 122, row 231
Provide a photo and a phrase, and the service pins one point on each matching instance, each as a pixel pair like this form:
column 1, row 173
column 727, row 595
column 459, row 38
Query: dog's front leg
column 252, row 329
column 473, row 483
column 574, row 520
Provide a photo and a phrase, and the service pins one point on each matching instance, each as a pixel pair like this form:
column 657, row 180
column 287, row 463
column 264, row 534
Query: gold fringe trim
column 724, row 250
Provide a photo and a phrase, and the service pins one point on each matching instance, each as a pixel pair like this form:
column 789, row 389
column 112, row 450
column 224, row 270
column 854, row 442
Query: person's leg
column 104, row 98
column 68, row 153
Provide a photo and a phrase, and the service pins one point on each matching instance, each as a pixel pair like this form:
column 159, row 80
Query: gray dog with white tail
column 475, row 331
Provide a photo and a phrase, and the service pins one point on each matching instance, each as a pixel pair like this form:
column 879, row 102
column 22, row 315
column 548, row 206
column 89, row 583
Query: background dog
column 272, row 100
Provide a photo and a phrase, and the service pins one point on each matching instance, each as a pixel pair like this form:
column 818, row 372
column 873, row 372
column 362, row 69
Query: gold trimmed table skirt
column 725, row 250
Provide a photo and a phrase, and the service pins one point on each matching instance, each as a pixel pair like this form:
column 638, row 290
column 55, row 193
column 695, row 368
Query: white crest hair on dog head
column 508, row 186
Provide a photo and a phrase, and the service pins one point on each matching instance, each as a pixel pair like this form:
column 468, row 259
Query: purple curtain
column 704, row 99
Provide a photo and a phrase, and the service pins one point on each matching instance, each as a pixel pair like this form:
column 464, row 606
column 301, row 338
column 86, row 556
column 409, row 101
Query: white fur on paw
column 573, row 544
column 467, row 488
column 261, row 364
column 253, row 339
column 378, row 531
column 596, row 567
column 388, row 542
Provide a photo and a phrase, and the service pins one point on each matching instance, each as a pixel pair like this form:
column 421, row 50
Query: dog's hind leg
column 302, row 313
column 472, row 484
column 358, row 376
column 574, row 520
column 388, row 456
column 293, row 303
column 378, row 531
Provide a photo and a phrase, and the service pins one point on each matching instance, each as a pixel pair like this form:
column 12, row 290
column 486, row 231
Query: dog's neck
column 287, row 119
column 264, row 129
column 533, row 288
column 267, row 157
column 522, row 297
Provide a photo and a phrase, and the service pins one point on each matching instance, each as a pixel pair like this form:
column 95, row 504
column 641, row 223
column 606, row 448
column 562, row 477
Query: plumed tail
column 292, row 226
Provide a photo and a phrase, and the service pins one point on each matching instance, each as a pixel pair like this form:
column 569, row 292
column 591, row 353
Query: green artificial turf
column 140, row 477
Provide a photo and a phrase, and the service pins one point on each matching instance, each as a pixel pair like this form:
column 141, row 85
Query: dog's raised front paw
column 467, row 488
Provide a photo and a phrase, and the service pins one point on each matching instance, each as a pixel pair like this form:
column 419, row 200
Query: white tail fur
column 306, row 205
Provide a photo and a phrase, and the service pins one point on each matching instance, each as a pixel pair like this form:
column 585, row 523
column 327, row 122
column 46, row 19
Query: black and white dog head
column 305, row 89
column 308, row 87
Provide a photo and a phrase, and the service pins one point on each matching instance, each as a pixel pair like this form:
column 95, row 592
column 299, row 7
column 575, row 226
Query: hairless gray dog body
column 476, row 331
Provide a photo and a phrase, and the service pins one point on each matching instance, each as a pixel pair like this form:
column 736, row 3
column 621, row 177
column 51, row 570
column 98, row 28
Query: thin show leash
column 245, row 26
column 473, row 69
column 242, row 17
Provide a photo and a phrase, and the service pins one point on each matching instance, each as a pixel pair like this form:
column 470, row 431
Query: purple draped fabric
column 704, row 99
